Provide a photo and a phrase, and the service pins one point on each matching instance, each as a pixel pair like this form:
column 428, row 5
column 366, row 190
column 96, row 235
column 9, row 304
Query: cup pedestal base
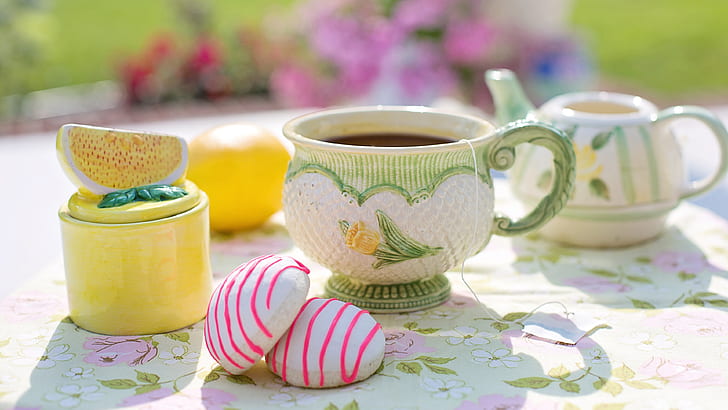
column 393, row 298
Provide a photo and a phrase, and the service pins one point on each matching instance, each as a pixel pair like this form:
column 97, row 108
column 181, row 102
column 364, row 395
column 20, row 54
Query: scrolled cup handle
column 501, row 155
column 719, row 132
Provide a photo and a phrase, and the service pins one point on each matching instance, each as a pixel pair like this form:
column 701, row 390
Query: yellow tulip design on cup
column 396, row 246
column 361, row 239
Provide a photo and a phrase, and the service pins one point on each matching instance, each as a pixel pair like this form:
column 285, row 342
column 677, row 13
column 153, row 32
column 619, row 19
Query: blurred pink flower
column 682, row 374
column 411, row 15
column 468, row 42
column 351, row 40
column 423, row 74
column 297, row 87
column 113, row 350
column 206, row 54
column 404, row 343
column 355, row 45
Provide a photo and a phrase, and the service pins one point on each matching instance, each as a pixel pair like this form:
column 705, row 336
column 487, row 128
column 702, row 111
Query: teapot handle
column 501, row 155
column 720, row 134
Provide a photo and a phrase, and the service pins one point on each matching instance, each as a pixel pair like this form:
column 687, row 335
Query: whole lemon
column 242, row 168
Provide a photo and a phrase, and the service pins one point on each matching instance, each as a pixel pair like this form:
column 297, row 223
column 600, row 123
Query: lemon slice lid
column 85, row 208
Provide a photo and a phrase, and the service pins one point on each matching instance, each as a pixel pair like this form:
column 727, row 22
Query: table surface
column 663, row 303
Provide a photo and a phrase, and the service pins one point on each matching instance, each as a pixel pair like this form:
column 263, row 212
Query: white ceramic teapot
column 629, row 167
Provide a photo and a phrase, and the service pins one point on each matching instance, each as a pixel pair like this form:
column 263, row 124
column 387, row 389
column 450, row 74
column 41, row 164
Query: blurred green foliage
column 672, row 48
column 669, row 47
column 86, row 40
column 21, row 43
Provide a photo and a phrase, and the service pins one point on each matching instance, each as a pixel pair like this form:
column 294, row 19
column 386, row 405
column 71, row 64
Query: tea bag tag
column 561, row 328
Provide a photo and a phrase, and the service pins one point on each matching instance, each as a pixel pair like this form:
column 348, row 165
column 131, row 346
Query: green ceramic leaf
column 396, row 246
column 157, row 192
column 118, row 198
column 147, row 377
column 601, row 139
column 399, row 241
column 211, row 377
column 409, row 367
column 599, row 188
column 530, row 382
column 119, row 384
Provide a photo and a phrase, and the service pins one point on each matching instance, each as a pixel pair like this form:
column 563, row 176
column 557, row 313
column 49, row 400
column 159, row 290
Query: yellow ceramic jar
column 146, row 276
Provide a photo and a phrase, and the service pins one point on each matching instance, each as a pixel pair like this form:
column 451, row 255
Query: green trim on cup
column 411, row 192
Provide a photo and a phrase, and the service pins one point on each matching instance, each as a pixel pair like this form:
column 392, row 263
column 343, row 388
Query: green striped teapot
column 629, row 168
column 390, row 198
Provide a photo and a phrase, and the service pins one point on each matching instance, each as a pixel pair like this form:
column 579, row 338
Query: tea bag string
column 471, row 250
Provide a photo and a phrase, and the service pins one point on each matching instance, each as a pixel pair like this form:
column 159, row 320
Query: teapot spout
column 510, row 100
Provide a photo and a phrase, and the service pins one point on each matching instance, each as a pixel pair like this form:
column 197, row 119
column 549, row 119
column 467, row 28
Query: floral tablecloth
column 665, row 304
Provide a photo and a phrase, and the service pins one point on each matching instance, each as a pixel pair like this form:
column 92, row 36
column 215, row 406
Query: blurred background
column 106, row 62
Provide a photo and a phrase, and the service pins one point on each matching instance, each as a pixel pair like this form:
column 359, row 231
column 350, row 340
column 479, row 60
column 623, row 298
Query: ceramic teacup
column 390, row 198
column 629, row 167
